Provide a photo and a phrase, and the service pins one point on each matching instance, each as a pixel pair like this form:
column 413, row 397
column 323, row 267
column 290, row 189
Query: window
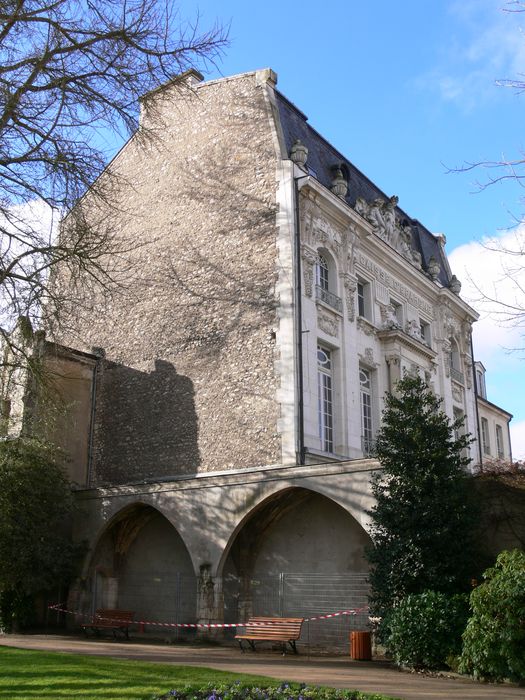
column 325, row 398
column 325, row 283
column 485, row 436
column 455, row 362
column 499, row 441
column 480, row 380
column 321, row 272
column 398, row 311
column 366, row 410
column 363, row 299
column 424, row 327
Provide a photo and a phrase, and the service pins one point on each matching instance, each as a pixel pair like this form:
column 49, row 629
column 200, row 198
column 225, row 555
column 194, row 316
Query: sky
column 409, row 92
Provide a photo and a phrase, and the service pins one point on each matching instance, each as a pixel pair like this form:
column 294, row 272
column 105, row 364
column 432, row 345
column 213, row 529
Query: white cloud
column 494, row 284
column 517, row 434
column 484, row 44
column 492, row 273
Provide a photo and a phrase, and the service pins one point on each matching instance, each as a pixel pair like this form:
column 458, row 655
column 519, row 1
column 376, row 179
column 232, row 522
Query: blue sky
column 407, row 91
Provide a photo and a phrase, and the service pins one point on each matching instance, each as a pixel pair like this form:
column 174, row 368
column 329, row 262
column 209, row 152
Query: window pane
column 321, row 272
column 325, row 399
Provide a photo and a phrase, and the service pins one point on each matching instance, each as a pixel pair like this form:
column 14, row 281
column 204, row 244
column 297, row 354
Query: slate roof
column 322, row 161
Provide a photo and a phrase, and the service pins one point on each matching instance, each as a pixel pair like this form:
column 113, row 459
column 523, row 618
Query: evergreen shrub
column 494, row 640
column 424, row 629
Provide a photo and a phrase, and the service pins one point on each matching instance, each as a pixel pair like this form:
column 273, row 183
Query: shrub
column 494, row 640
column 425, row 628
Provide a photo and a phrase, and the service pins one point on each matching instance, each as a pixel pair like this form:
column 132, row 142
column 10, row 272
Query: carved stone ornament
column 413, row 329
column 467, row 360
column 382, row 217
column 299, row 153
column 309, row 258
column 434, row 268
column 389, row 320
column 368, row 357
column 326, row 235
column 393, row 360
column 328, row 324
column 446, row 355
column 457, row 393
column 339, row 184
column 466, row 328
column 455, row 285
column 350, row 285
column 306, row 217
column 366, row 326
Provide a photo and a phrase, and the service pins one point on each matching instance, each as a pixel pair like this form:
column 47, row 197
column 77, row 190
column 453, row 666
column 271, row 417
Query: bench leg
column 252, row 644
column 292, row 644
column 241, row 646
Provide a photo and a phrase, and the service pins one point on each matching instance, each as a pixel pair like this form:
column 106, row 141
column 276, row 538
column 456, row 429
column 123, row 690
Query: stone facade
column 189, row 383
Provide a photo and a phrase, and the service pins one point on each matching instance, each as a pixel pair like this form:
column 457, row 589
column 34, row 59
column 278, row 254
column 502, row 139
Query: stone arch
column 141, row 563
column 295, row 530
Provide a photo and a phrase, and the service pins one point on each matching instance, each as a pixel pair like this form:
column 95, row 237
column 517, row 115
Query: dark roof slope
column 323, row 159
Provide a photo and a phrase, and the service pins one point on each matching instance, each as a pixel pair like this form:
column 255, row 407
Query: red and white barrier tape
column 340, row 613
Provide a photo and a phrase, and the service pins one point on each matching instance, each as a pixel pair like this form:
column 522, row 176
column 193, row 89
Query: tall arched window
column 326, row 281
column 321, row 273
column 325, row 398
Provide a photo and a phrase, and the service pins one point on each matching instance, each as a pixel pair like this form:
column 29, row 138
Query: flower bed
column 285, row 691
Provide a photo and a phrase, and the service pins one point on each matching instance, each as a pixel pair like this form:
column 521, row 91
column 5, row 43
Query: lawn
column 38, row 675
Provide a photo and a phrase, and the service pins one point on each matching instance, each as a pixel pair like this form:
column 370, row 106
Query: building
column 494, row 436
column 271, row 295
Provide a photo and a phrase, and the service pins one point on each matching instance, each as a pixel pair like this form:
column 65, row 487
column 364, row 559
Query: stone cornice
column 397, row 337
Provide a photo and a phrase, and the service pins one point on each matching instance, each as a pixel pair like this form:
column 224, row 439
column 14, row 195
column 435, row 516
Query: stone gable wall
column 189, row 385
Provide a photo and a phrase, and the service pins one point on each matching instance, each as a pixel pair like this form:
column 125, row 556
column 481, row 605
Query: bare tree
column 70, row 70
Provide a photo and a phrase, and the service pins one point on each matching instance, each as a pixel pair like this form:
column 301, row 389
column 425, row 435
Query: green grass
column 37, row 675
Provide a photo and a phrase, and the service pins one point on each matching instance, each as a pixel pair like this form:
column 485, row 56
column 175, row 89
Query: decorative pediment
column 382, row 216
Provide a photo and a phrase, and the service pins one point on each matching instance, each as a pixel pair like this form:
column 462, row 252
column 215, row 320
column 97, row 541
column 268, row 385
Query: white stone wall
column 375, row 342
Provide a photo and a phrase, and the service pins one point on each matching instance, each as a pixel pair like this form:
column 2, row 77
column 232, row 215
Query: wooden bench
column 271, row 629
column 110, row 618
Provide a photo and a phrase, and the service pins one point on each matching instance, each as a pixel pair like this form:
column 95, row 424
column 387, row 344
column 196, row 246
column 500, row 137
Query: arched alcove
column 296, row 553
column 141, row 563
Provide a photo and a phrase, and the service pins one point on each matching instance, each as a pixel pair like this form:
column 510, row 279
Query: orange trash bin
column 360, row 646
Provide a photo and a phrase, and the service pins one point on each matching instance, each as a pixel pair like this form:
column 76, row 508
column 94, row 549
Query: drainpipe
column 480, row 450
column 299, row 328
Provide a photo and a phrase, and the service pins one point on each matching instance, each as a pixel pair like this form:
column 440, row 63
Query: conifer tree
column 423, row 520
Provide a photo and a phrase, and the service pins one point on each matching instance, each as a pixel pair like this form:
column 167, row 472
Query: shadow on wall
column 145, row 426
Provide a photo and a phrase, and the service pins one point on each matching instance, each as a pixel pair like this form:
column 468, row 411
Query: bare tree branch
column 69, row 71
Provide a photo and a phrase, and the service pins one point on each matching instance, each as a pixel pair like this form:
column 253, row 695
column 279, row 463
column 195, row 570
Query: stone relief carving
column 382, row 216
column 389, row 321
column 368, row 357
column 467, row 359
column 457, row 393
column 324, row 234
column 450, row 325
column 309, row 257
column 328, row 324
column 393, row 360
column 306, row 218
column 466, row 328
column 394, row 284
column 350, row 286
column 413, row 329
column 366, row 326
column 446, row 355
